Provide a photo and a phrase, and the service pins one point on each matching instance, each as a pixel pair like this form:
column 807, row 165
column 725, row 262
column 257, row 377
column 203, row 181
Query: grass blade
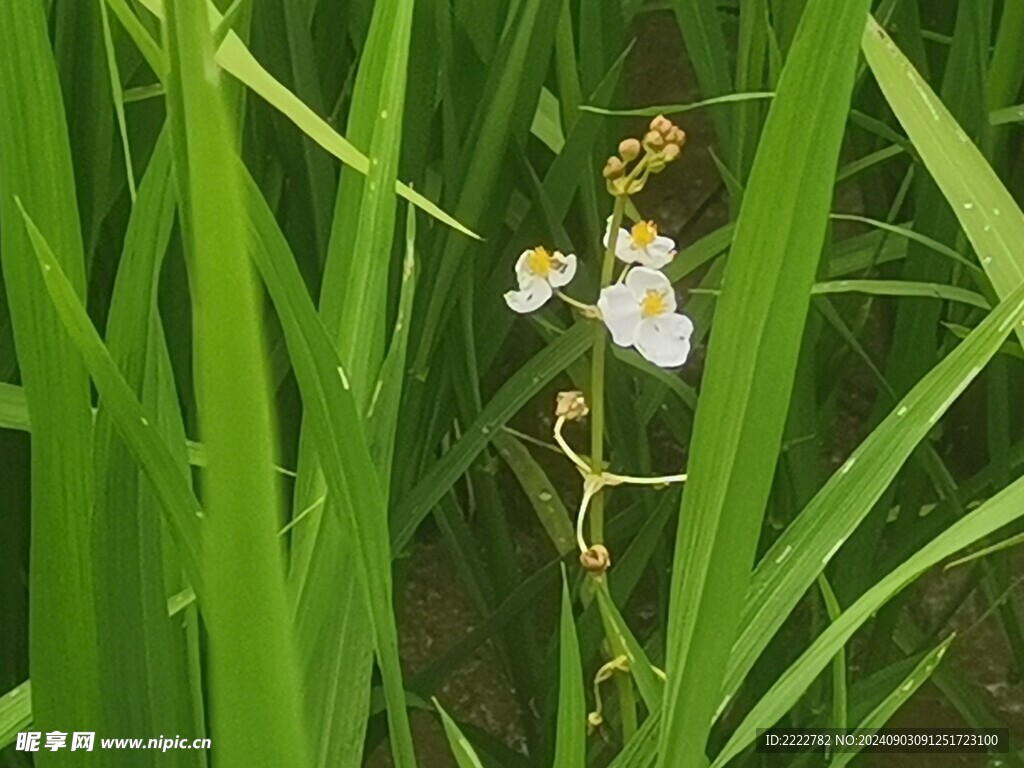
column 880, row 715
column 182, row 508
column 678, row 109
column 999, row 511
column 751, row 364
column 463, row 751
column 254, row 684
column 793, row 562
column 15, row 712
column 985, row 209
column 128, row 537
column 35, row 166
column 571, row 730
column 516, row 392
column 344, row 452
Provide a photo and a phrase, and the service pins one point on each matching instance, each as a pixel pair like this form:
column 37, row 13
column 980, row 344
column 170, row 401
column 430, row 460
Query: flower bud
column 613, row 169
column 571, row 405
column 676, row 136
column 654, row 140
column 596, row 560
column 629, row 149
column 670, row 153
column 661, row 124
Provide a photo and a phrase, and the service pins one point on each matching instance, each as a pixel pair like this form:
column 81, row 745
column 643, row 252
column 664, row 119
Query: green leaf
column 793, row 562
column 985, row 209
column 355, row 288
column 651, row 686
column 253, row 677
column 701, row 29
column 13, row 408
column 551, row 512
column 238, row 61
column 516, row 392
column 679, row 109
column 892, row 703
column 903, row 288
column 751, row 363
column 571, row 730
column 180, row 505
column 35, row 166
column 514, row 81
column 15, row 712
column 1007, row 115
column 382, row 414
column 999, row 511
column 128, row 530
column 356, row 499
column 464, row 753
column 910, row 234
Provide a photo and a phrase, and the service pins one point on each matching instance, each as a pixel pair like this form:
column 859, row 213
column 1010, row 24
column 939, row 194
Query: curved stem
column 588, row 310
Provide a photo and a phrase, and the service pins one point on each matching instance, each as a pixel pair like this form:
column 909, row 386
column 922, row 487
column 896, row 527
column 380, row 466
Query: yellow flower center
column 653, row 304
column 644, row 233
column 540, row 262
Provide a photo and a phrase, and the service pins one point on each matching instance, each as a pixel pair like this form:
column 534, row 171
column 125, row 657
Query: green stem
column 597, row 366
column 623, row 683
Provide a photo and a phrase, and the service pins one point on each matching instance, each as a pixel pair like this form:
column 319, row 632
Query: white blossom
column 640, row 313
column 641, row 244
column 538, row 273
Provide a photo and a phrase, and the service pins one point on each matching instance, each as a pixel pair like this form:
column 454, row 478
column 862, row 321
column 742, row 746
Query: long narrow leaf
column 36, row 166
column 751, row 364
column 571, row 730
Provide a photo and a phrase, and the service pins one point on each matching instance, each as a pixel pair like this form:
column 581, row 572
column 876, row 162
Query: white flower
column 642, row 245
column 641, row 313
column 539, row 273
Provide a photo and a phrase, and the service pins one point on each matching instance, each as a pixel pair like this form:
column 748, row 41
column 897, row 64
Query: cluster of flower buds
column 660, row 146
column 664, row 141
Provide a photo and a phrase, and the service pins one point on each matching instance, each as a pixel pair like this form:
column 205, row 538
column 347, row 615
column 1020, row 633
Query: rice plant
column 520, row 383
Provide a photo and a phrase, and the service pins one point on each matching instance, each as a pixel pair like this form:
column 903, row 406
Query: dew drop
column 544, row 496
column 145, row 421
column 902, row 411
column 968, row 205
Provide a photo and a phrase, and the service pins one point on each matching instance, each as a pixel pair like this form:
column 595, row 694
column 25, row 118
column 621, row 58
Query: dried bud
column 596, row 560
column 629, row 149
column 613, row 169
column 676, row 135
column 654, row 140
column 571, row 405
column 670, row 153
column 661, row 124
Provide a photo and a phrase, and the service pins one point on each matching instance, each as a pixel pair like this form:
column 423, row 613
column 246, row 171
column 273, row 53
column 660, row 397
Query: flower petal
column 664, row 340
column 530, row 296
column 640, row 280
column 564, row 269
column 523, row 272
column 624, row 248
column 620, row 313
column 659, row 253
